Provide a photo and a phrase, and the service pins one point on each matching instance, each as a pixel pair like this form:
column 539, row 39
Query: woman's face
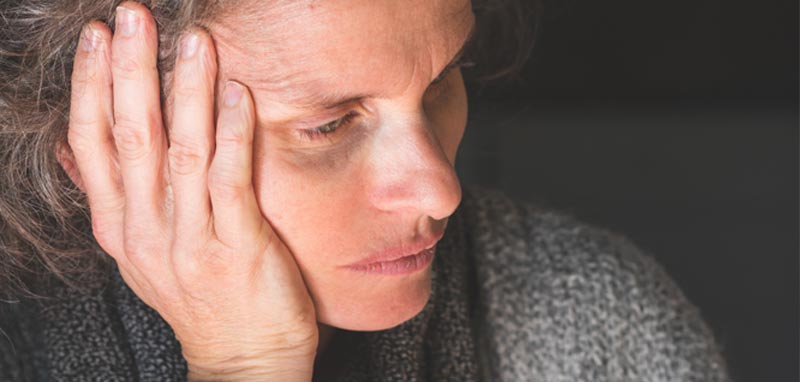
column 382, row 176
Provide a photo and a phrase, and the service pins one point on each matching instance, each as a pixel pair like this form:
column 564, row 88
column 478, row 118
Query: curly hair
column 45, row 230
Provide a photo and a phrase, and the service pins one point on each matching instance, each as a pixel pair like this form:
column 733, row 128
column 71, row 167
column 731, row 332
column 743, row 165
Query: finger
column 192, row 135
column 236, row 215
column 138, row 128
column 89, row 134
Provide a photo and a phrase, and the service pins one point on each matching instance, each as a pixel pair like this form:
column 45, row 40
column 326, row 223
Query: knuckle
column 187, row 95
column 83, row 76
column 138, row 255
column 186, row 159
column 106, row 205
column 134, row 140
column 79, row 138
column 200, row 266
column 191, row 80
column 225, row 187
column 83, row 142
column 186, row 270
column 139, row 251
column 197, row 267
column 87, row 69
column 233, row 136
column 127, row 68
column 79, row 122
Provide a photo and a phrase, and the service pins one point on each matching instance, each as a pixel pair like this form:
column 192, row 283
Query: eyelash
column 329, row 128
column 333, row 126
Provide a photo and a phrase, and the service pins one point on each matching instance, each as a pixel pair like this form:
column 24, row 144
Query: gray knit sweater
column 520, row 293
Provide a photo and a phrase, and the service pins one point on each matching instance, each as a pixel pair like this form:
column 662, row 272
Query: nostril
column 434, row 192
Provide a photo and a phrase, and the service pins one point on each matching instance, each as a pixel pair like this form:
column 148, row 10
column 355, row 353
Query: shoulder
column 563, row 299
column 549, row 243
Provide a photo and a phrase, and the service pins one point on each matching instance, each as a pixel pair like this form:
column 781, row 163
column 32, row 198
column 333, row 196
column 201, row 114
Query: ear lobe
column 67, row 161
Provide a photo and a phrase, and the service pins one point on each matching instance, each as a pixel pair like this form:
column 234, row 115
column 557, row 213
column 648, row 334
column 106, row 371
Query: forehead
column 283, row 49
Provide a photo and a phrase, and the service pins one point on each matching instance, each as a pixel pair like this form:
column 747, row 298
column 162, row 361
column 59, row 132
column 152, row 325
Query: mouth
column 402, row 266
column 401, row 260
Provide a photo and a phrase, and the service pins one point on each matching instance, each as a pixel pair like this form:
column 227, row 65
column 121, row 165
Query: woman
column 285, row 208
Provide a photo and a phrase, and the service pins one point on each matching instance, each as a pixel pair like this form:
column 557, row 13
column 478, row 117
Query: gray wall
column 675, row 123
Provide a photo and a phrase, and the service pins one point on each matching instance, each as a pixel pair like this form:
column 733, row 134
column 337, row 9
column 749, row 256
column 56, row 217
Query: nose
column 411, row 173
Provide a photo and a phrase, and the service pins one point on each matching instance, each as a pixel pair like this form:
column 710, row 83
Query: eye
column 329, row 128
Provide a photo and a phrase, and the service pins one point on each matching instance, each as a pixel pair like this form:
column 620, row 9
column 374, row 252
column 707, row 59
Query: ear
column 67, row 161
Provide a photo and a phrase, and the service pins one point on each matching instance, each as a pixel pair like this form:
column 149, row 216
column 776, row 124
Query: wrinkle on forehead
column 293, row 47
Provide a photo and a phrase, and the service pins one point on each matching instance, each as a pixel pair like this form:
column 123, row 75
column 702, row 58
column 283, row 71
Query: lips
column 400, row 257
column 402, row 266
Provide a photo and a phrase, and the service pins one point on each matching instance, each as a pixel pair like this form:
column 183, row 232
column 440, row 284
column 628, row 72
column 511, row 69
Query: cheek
column 320, row 202
column 306, row 203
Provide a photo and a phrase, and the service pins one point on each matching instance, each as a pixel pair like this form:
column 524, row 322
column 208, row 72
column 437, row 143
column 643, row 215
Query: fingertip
column 89, row 38
column 235, row 122
column 93, row 38
column 232, row 94
column 237, row 97
column 136, row 7
column 202, row 42
column 134, row 21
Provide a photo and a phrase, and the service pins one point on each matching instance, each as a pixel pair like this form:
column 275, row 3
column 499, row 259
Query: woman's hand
column 182, row 222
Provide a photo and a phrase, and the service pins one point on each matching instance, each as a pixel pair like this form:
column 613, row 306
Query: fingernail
column 89, row 39
column 233, row 93
column 126, row 21
column 189, row 45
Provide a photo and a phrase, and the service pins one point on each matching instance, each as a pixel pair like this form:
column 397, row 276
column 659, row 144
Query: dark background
column 676, row 124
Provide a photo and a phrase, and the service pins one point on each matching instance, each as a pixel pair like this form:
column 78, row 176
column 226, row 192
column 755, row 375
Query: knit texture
column 519, row 293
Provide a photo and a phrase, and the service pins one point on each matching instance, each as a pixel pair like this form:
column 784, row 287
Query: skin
column 386, row 181
column 236, row 233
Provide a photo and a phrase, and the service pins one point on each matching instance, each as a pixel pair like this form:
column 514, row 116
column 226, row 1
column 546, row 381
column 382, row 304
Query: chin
column 372, row 303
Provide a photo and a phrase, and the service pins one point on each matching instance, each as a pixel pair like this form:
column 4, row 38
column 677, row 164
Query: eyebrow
column 333, row 101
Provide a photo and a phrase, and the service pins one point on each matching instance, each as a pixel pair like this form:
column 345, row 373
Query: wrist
column 253, row 371
column 287, row 357
column 291, row 365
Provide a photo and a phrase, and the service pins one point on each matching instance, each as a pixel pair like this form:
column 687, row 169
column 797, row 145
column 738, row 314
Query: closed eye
column 332, row 127
column 329, row 128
